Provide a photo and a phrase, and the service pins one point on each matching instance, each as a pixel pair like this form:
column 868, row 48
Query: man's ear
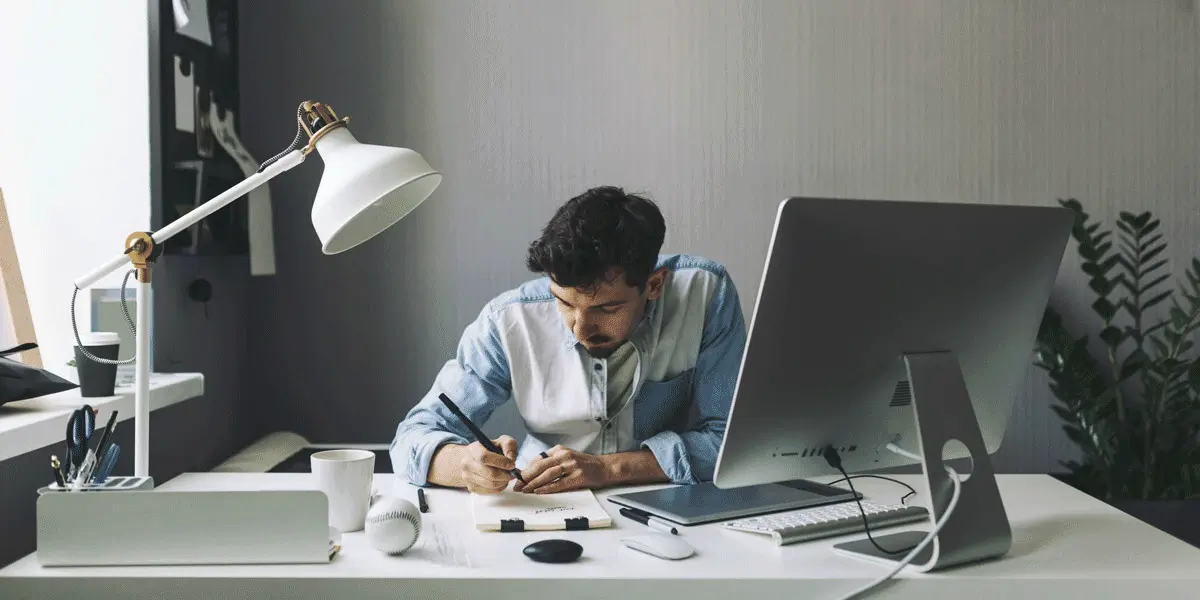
column 654, row 285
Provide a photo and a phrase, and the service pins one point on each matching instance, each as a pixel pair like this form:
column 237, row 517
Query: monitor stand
column 978, row 529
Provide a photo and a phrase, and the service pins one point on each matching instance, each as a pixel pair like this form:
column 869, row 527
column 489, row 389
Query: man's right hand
column 485, row 472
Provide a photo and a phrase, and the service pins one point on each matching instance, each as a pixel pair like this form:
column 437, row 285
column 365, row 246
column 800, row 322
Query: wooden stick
column 19, row 319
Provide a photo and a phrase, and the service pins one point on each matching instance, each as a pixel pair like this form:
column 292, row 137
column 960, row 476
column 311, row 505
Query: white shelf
column 28, row 425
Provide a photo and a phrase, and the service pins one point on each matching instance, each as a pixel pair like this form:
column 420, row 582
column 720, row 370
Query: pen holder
column 119, row 525
column 112, row 484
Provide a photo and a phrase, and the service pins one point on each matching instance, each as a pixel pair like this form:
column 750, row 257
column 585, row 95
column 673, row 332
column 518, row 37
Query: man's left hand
column 563, row 470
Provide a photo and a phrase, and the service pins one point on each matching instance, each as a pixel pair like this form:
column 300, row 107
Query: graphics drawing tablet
column 706, row 503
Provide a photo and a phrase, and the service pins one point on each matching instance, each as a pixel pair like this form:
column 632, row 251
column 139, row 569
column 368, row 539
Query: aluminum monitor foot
column 978, row 529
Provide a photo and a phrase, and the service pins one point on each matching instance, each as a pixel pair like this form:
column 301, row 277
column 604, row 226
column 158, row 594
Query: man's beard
column 604, row 352
column 600, row 352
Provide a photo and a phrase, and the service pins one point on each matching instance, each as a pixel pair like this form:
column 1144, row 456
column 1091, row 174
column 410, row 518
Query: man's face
column 603, row 316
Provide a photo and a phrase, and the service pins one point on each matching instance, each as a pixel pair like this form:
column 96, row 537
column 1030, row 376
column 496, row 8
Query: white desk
column 1066, row 545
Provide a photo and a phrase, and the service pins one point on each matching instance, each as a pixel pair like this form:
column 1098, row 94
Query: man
column 605, row 356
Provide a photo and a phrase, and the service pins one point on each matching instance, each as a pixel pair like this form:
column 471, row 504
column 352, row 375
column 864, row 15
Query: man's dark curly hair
column 596, row 231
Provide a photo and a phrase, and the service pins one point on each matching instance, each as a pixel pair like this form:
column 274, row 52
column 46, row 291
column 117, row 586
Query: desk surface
column 1065, row 544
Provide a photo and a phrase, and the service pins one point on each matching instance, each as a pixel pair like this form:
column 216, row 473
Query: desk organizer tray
column 112, row 484
column 106, row 527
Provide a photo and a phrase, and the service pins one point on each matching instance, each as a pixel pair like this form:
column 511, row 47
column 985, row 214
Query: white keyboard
column 828, row 521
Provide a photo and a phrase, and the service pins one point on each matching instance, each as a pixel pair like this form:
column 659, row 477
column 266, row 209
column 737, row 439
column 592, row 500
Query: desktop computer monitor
column 894, row 322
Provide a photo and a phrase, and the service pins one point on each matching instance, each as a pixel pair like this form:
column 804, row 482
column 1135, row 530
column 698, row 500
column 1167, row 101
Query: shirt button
column 599, row 367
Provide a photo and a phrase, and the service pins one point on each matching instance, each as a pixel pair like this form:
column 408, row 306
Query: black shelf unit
column 190, row 166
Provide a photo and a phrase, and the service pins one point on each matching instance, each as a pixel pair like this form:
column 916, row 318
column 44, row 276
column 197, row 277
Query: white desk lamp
column 364, row 190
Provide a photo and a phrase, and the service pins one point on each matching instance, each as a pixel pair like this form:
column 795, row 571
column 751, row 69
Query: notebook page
column 538, row 511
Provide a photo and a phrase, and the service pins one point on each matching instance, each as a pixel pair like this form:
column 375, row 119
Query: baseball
column 393, row 525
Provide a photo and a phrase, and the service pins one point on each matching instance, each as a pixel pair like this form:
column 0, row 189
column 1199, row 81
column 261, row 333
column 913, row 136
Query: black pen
column 102, row 445
column 482, row 439
column 649, row 520
column 421, row 500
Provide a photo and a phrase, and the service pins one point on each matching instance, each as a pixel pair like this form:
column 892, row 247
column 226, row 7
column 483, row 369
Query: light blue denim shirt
column 689, row 348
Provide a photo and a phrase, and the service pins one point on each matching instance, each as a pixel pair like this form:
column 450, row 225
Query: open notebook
column 515, row 511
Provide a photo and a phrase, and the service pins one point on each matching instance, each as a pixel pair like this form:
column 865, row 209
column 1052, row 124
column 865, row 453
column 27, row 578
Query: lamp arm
column 285, row 162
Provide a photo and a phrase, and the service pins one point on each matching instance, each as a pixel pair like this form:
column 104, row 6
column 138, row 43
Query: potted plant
column 1129, row 398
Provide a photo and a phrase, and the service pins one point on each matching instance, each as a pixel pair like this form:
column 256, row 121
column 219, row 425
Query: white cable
column 937, row 527
column 902, row 452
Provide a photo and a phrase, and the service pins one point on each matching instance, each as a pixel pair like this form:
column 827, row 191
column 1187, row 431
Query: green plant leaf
column 1112, row 336
column 1100, row 268
column 1089, row 253
column 1101, row 285
column 1194, row 375
column 1179, row 318
column 1106, row 309
column 1155, row 301
column 1156, row 282
column 1133, row 366
column 1150, row 256
column 1065, row 415
column 1150, row 241
column 1077, row 436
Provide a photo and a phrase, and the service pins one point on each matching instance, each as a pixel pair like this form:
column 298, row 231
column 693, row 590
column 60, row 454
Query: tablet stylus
column 649, row 520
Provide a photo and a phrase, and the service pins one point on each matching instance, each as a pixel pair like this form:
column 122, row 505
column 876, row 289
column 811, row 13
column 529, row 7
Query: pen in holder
column 104, row 469
column 94, row 475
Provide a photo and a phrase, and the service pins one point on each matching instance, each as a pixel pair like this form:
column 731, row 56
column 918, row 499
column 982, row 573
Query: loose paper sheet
column 262, row 229
column 185, row 98
column 191, row 19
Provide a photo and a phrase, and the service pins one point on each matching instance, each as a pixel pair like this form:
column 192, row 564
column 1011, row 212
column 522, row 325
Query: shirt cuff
column 415, row 466
column 668, row 449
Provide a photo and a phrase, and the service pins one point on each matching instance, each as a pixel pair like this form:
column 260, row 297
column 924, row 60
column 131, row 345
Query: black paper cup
column 98, row 380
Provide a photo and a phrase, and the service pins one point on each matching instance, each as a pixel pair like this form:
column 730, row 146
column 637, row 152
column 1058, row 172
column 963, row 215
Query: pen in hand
column 479, row 436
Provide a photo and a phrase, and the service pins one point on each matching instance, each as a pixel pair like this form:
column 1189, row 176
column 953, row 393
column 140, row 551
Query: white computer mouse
column 658, row 544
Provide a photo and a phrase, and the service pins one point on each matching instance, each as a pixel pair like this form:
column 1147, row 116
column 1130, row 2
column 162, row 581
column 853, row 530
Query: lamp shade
column 365, row 189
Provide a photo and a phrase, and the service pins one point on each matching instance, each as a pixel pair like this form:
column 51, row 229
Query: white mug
column 346, row 477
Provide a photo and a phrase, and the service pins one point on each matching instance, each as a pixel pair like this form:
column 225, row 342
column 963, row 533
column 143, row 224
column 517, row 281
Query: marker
column 421, row 500
column 482, row 439
column 649, row 521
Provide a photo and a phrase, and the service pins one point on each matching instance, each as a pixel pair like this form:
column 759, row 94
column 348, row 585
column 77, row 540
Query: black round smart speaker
column 554, row 551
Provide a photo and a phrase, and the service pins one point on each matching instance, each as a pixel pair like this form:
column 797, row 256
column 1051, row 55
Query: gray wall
column 718, row 109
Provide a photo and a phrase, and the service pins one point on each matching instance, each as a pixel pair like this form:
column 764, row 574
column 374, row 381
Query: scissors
column 80, row 428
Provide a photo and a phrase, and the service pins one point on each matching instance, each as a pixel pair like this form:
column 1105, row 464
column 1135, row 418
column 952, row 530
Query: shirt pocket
column 662, row 405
